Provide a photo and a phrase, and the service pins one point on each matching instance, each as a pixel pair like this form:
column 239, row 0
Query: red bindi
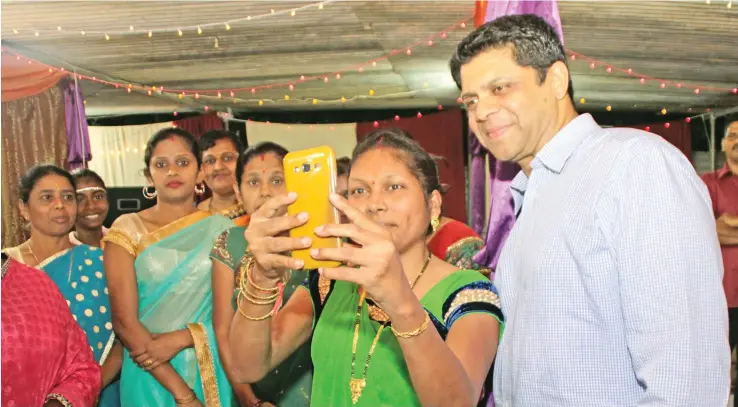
column 261, row 156
column 381, row 140
column 171, row 138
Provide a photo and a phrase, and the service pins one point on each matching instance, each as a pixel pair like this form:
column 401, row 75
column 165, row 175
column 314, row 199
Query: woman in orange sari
column 220, row 150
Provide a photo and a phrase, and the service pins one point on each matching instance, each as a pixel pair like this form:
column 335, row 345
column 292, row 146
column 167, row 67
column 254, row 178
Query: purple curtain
column 78, row 137
column 501, row 215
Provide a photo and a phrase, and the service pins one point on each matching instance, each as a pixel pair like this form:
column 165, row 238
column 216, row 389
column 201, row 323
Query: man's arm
column 727, row 229
column 659, row 222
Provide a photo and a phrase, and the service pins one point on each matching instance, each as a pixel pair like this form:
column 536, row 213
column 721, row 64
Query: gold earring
column 147, row 194
column 435, row 223
column 200, row 189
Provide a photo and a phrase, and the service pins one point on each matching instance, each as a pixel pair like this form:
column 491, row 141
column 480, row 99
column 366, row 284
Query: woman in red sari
column 455, row 242
column 46, row 360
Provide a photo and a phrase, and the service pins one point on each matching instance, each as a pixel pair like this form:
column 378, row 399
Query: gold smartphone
column 311, row 174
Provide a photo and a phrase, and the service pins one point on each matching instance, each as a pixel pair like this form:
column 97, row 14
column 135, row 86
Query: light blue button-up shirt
column 611, row 279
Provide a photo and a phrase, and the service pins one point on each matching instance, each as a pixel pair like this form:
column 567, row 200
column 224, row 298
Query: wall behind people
column 442, row 134
column 293, row 137
column 117, row 152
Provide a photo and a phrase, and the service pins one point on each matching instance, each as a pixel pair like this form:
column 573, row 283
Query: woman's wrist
column 408, row 315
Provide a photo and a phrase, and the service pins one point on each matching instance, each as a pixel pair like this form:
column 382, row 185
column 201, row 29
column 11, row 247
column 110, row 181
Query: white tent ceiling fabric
column 294, row 137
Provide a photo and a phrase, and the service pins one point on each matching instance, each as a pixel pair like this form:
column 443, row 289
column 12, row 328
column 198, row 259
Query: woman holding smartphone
column 260, row 177
column 396, row 325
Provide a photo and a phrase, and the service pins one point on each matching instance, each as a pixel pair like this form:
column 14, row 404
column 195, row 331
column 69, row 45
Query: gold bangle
column 256, row 301
column 414, row 333
column 188, row 399
column 249, row 266
column 250, row 318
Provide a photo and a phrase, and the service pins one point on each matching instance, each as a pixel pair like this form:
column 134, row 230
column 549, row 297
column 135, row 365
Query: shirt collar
column 517, row 187
column 724, row 172
column 557, row 151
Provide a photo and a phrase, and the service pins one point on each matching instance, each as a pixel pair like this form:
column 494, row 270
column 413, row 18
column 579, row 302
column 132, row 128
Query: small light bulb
column 199, row 30
column 663, row 85
column 228, row 27
column 82, row 32
column 15, row 31
column 261, row 102
column 463, row 25
column 582, row 100
column 608, row 108
column 130, row 28
column 408, row 51
column 292, row 13
column 430, row 43
column 292, row 87
column 107, row 37
column 248, row 18
column 315, row 101
column 36, row 34
column 325, row 79
column 219, row 95
column 374, row 63
column 286, row 97
column 149, row 92
column 320, row 6
column 697, row 91
column 642, row 81
column 179, row 32
column 419, row 115
column 272, row 10
column 667, row 125
column 58, row 28
column 573, row 57
column 197, row 96
column 371, row 92
column 232, row 94
column 663, row 111
column 343, row 99
column 150, row 34
column 397, row 118
column 338, row 76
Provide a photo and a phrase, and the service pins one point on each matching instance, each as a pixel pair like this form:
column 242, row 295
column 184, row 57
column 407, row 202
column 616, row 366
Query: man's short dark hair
column 207, row 140
column 533, row 41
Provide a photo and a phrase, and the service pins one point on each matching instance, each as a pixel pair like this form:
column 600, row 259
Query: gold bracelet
column 188, row 399
column 250, row 318
column 249, row 267
column 256, row 301
column 414, row 333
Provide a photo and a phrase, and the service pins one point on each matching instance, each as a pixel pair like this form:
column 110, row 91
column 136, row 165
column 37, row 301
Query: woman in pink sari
column 46, row 360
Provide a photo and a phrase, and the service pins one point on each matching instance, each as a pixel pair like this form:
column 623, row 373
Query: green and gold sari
column 290, row 383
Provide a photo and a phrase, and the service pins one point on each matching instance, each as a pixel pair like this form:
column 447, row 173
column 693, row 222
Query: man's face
column 730, row 142
column 508, row 110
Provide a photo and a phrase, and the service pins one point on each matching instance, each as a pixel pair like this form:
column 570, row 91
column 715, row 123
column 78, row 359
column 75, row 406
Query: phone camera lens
column 306, row 168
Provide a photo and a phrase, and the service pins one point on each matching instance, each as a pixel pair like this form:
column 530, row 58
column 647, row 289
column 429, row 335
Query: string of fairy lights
column 249, row 95
column 180, row 30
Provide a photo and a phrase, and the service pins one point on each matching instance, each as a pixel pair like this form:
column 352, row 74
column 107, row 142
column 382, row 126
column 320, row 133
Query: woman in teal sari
column 260, row 176
column 160, row 293
column 49, row 202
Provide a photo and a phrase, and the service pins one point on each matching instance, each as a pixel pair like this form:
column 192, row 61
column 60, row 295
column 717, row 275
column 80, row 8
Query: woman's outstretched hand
column 268, row 240
column 377, row 263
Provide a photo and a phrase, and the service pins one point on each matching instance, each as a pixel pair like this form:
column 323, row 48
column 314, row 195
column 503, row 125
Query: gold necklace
column 357, row 385
column 30, row 250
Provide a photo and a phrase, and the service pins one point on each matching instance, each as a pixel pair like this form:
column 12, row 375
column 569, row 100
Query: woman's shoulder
column 230, row 247
column 126, row 232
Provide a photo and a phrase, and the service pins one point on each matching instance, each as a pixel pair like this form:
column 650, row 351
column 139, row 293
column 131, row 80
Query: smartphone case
column 311, row 174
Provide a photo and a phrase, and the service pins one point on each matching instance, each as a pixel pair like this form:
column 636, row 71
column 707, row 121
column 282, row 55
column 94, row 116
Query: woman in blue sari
column 49, row 202
column 160, row 291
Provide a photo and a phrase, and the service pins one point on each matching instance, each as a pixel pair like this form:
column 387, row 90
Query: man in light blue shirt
column 610, row 280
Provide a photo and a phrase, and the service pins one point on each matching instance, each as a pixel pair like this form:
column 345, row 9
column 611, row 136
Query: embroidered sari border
column 205, row 364
column 170, row 229
column 52, row 258
column 108, row 347
column 464, row 241
column 120, row 238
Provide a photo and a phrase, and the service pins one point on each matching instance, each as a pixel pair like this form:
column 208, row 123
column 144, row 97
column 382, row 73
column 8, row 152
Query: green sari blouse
column 290, row 383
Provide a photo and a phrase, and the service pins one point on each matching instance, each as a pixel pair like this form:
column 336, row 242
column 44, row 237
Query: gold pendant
column 356, row 386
